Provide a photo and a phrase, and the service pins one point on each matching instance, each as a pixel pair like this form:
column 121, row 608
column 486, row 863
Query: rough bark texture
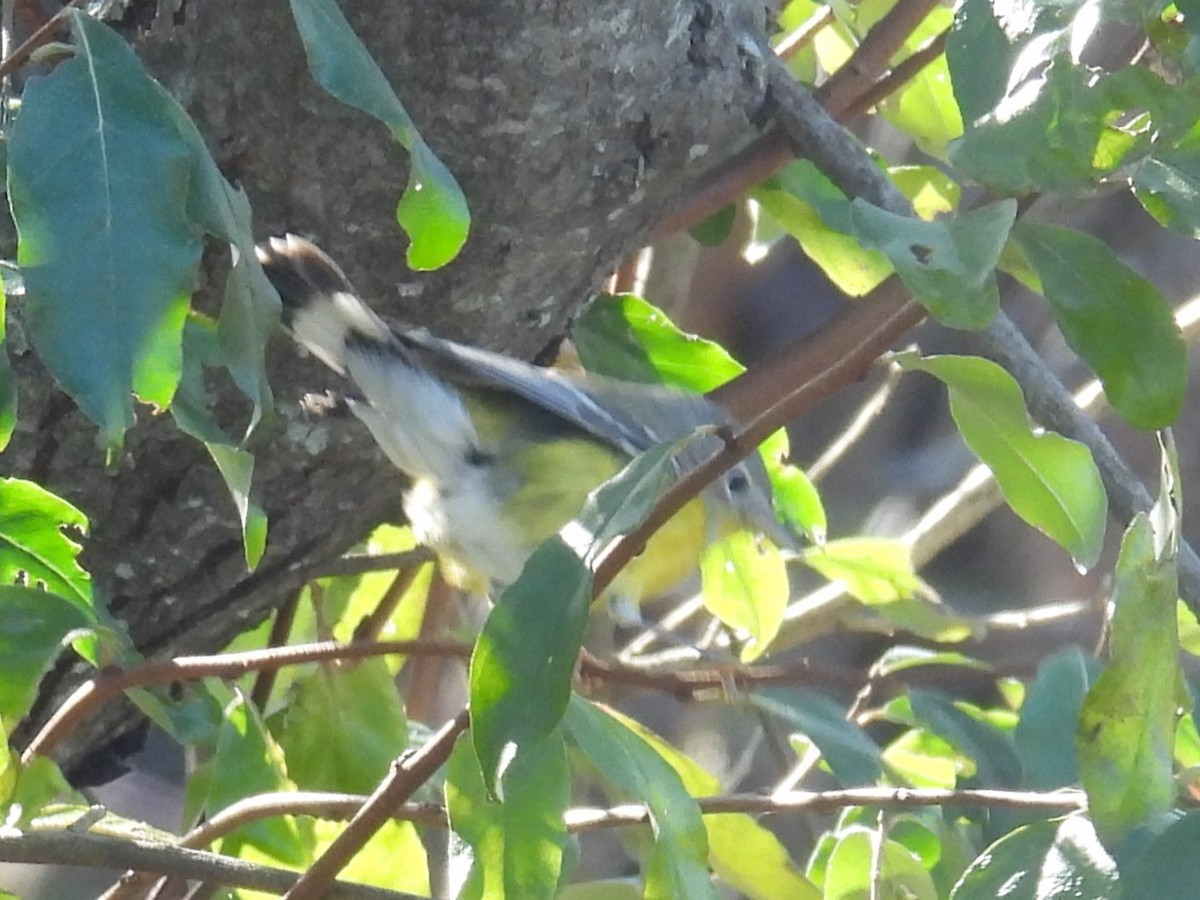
column 572, row 127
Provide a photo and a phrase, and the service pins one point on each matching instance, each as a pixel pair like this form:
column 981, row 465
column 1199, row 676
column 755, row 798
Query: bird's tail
column 320, row 308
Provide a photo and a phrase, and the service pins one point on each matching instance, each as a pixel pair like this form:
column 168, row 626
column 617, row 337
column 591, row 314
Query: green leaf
column 192, row 414
column 8, row 387
column 1168, row 186
column 247, row 761
column 1049, row 481
column 250, row 307
column 992, row 751
column 857, row 868
column 744, row 854
column 797, row 500
column 34, row 548
column 1168, row 868
column 37, row 625
column 1059, row 860
column 745, row 585
column 1114, row 319
column 872, row 570
column 1126, row 730
column 816, row 213
column 925, row 109
column 237, row 468
column 623, row 336
column 853, row 757
column 517, row 846
column 524, row 659
column 949, row 264
column 1045, row 747
column 98, row 179
column 714, row 230
column 678, row 865
column 343, row 727
column 901, row 657
column 394, row 857
column 433, row 210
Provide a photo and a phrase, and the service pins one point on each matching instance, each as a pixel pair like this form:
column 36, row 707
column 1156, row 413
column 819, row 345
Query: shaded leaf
column 949, row 264
column 37, row 626
column 1044, row 745
column 342, row 727
column 1168, row 867
column 853, row 757
column 8, row 387
column 247, row 761
column 517, row 845
column 992, row 751
column 1114, row 319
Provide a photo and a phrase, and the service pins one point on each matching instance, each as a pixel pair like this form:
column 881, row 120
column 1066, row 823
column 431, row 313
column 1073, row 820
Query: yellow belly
column 485, row 542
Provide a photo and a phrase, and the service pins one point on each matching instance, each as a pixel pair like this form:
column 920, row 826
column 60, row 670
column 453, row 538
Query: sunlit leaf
column 432, row 211
column 1049, row 481
column 517, row 844
column 678, row 864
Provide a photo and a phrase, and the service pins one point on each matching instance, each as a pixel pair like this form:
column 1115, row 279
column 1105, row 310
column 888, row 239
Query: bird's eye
column 737, row 482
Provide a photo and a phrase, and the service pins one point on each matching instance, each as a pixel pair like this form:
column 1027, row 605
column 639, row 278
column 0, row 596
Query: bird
column 501, row 454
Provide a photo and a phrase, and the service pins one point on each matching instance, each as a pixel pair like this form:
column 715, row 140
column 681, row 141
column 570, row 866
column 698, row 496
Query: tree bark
column 572, row 128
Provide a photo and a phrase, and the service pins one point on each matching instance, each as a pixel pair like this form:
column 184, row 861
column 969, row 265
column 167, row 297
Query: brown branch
column 335, row 806
column 900, row 75
column 830, row 801
column 408, row 773
column 840, row 94
column 111, row 683
column 281, row 629
column 800, row 38
column 872, row 57
column 39, row 38
column 360, row 563
column 371, row 625
column 85, row 848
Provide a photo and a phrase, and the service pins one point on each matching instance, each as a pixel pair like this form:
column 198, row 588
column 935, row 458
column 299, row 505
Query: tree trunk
column 572, row 128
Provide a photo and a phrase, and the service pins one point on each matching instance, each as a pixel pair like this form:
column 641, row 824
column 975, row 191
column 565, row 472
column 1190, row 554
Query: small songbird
column 501, row 454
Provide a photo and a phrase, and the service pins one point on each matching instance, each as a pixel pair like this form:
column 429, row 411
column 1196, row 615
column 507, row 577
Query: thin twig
column 373, row 624
column 407, row 774
column 802, row 36
column 902, row 73
column 84, row 848
column 867, row 413
column 873, row 56
column 111, row 683
column 361, row 563
column 281, row 629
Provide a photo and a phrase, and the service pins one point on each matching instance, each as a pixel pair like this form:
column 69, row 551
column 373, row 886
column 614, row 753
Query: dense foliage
column 1075, row 781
